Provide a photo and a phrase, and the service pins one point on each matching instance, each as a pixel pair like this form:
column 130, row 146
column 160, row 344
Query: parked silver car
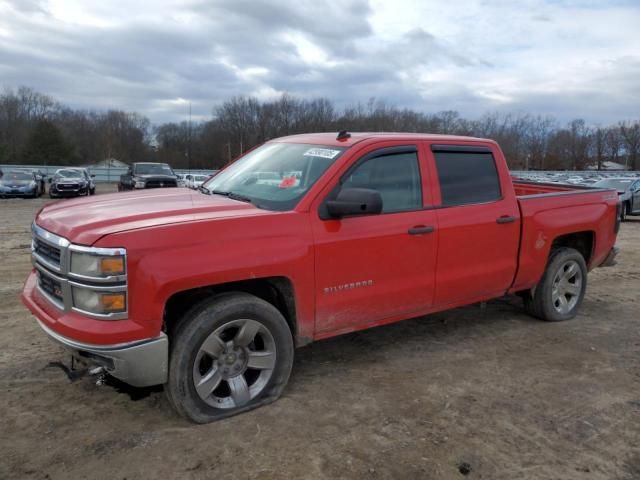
column 628, row 189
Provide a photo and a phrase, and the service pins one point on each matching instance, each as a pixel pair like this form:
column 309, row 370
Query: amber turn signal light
column 112, row 265
column 114, row 302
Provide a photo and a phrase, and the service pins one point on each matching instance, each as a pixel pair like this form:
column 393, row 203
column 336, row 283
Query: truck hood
column 84, row 220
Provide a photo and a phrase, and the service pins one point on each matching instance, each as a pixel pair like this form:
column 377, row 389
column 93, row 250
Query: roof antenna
column 343, row 135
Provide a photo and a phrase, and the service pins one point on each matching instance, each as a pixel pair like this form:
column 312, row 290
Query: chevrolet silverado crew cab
column 304, row 238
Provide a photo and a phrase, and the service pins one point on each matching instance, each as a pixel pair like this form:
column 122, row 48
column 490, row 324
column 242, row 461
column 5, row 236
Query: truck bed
column 549, row 211
column 525, row 188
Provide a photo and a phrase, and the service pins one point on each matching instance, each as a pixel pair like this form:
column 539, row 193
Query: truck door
column 371, row 268
column 478, row 224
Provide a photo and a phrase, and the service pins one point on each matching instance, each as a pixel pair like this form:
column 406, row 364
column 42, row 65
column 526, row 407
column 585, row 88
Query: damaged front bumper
column 142, row 363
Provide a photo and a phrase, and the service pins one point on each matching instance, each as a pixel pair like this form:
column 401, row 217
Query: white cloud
column 568, row 58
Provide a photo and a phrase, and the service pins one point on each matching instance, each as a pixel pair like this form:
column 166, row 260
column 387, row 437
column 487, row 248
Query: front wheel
column 561, row 290
column 230, row 354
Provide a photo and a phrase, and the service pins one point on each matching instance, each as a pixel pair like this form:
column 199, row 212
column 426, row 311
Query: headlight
column 96, row 265
column 139, row 184
column 99, row 302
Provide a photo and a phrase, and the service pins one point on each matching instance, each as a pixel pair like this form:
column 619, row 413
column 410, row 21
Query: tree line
column 36, row 129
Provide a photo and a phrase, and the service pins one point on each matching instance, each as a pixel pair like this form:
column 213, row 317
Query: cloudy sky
column 568, row 58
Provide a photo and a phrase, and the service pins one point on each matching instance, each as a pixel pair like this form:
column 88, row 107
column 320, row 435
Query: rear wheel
column 230, row 354
column 562, row 287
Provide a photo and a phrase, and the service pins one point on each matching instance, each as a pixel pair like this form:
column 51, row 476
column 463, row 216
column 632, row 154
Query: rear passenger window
column 395, row 176
column 467, row 177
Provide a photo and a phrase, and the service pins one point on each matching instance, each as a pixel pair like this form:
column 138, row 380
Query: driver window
column 395, row 176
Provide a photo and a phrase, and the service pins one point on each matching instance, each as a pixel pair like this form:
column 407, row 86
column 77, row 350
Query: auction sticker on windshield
column 321, row 152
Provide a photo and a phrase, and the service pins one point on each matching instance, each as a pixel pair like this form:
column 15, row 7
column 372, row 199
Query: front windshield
column 69, row 173
column 274, row 176
column 619, row 184
column 17, row 176
column 153, row 169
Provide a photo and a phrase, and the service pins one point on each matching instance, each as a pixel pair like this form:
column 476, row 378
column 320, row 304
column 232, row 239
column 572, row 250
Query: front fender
column 169, row 259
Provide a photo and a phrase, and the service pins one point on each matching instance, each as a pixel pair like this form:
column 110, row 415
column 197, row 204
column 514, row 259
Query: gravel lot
column 489, row 392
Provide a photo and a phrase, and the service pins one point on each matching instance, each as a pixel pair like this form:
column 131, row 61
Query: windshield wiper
column 204, row 189
column 233, row 196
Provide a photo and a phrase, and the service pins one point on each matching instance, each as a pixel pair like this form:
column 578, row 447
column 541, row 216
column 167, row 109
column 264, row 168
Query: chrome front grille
column 47, row 251
column 51, row 286
column 51, row 256
column 50, row 250
column 67, row 187
column 160, row 183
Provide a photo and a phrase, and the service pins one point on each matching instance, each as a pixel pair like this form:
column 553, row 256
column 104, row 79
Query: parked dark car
column 89, row 178
column 19, row 183
column 148, row 175
column 69, row 182
column 628, row 189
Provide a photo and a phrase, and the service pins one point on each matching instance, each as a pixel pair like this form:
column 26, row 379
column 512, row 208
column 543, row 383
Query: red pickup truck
column 303, row 238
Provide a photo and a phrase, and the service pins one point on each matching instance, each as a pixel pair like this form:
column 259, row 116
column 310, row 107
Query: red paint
column 179, row 239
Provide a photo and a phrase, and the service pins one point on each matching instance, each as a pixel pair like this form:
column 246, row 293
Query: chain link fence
column 102, row 174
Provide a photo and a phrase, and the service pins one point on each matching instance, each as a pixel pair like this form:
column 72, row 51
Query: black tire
column 198, row 325
column 541, row 304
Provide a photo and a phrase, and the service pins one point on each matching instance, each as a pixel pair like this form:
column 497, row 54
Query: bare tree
column 241, row 123
column 599, row 146
column 613, row 143
column 630, row 132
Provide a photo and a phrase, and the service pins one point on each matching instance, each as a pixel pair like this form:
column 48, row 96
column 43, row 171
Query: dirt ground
column 476, row 393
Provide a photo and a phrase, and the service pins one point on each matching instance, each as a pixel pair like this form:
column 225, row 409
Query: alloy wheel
column 234, row 364
column 567, row 286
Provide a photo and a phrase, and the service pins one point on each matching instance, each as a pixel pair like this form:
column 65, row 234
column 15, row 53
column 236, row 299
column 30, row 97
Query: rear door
column 478, row 224
column 371, row 268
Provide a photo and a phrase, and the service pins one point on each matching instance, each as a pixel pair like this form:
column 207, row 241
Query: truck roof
column 330, row 138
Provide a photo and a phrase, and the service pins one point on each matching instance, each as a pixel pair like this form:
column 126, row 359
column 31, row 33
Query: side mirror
column 92, row 176
column 355, row 201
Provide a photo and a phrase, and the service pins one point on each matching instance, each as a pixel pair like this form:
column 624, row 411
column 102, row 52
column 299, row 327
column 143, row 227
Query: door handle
column 420, row 229
column 505, row 219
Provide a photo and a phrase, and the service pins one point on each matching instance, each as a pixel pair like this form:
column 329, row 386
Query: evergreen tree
column 45, row 145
